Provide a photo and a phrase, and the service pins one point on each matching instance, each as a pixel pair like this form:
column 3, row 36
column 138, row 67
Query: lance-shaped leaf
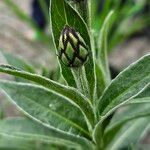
column 126, row 114
column 63, row 14
column 71, row 94
column 101, row 66
column 130, row 134
column 127, row 85
column 92, row 6
column 46, row 107
column 102, row 46
column 25, row 134
column 100, row 78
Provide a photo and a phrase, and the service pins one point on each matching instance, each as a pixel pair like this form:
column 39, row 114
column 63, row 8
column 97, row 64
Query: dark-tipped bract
column 73, row 51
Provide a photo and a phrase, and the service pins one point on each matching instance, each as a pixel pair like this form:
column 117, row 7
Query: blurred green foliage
column 130, row 17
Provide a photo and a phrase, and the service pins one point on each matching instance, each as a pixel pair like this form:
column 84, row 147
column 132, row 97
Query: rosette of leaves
column 83, row 113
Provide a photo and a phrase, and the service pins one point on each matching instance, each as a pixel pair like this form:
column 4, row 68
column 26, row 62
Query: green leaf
column 69, row 93
column 103, row 8
column 143, row 97
column 130, row 134
column 142, row 146
column 123, row 116
column 101, row 82
column 127, row 85
column 139, row 100
column 25, row 134
column 81, row 7
column 63, row 14
column 93, row 7
column 102, row 47
column 145, row 93
column 101, row 66
column 46, row 107
column 1, row 114
column 18, row 62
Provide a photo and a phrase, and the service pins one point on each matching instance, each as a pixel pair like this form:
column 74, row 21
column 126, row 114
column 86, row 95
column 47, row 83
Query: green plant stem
column 80, row 79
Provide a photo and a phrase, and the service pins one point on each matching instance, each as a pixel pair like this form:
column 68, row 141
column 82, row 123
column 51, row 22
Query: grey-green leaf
column 130, row 134
column 63, row 14
column 71, row 94
column 102, row 47
column 124, row 115
column 43, row 105
column 143, row 97
column 100, row 77
column 128, row 84
column 101, row 66
column 25, row 134
column 145, row 92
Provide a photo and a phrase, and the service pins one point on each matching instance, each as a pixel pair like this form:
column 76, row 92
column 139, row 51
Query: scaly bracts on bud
column 73, row 51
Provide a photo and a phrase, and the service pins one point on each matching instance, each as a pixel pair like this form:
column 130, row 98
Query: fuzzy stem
column 80, row 79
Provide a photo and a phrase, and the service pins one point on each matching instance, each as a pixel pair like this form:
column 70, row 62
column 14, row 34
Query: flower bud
column 73, row 51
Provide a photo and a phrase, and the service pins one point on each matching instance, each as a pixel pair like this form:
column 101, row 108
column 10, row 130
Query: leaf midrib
column 56, row 114
column 47, row 83
column 118, row 123
column 28, row 136
column 125, row 134
column 122, row 93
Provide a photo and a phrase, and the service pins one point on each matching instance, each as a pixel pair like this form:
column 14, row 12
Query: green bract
column 73, row 51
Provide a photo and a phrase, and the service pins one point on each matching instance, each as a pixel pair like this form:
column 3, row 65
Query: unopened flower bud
column 73, row 51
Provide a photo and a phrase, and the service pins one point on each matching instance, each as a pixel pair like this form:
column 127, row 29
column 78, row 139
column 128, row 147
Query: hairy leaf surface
column 41, row 104
column 127, row 113
column 127, row 85
column 25, row 134
column 130, row 134
column 71, row 94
